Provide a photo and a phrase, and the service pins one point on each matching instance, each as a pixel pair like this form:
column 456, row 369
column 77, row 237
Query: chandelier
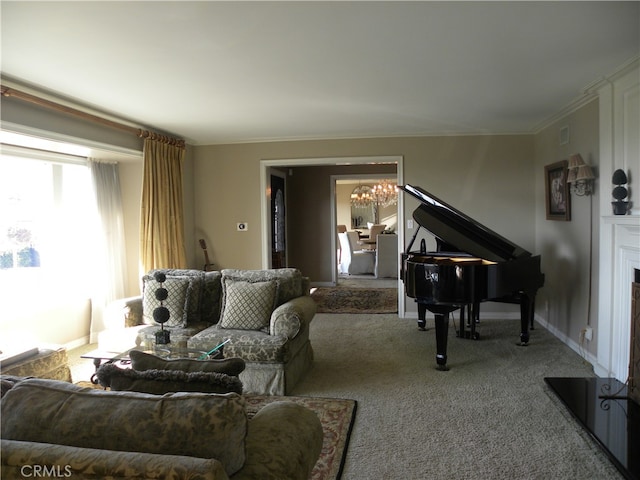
column 385, row 193
column 361, row 196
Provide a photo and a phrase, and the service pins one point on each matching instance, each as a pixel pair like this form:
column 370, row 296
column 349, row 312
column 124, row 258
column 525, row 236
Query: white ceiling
column 221, row 72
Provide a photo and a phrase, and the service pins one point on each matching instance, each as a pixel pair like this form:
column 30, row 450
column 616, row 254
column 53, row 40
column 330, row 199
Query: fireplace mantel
column 631, row 220
column 619, row 256
column 619, row 249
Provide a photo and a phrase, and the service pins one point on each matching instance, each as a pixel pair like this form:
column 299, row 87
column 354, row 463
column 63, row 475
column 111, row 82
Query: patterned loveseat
column 264, row 315
column 49, row 362
column 56, row 429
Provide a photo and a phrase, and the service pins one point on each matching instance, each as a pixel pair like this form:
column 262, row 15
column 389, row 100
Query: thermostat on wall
column 243, row 226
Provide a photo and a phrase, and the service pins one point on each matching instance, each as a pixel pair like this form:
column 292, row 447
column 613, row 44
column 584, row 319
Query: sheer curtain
column 162, row 218
column 110, row 260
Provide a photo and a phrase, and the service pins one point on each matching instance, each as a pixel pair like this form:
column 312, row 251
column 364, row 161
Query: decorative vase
column 162, row 337
column 620, row 208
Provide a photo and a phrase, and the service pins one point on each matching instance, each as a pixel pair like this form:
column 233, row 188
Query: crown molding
column 625, row 68
column 572, row 107
column 589, row 94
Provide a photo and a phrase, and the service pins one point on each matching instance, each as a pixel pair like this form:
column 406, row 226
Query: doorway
column 359, row 214
column 278, row 220
column 266, row 169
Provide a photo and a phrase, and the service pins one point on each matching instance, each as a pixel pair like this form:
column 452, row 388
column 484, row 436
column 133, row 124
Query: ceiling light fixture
column 361, row 196
column 385, row 193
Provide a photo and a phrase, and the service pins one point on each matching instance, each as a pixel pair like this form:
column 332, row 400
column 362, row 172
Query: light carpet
column 491, row 416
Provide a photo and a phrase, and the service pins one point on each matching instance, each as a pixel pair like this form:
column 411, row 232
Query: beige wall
column 565, row 300
column 227, row 191
column 496, row 179
column 343, row 205
column 487, row 177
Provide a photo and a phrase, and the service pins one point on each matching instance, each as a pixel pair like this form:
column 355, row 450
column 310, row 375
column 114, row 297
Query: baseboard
column 77, row 343
column 483, row 315
column 572, row 344
column 322, row 284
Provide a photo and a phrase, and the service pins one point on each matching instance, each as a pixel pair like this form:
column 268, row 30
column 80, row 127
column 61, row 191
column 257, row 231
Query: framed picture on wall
column 557, row 198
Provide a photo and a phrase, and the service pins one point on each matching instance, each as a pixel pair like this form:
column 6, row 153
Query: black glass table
column 600, row 405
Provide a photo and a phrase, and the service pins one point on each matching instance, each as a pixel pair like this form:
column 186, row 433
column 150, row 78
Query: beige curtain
column 109, row 271
column 162, row 219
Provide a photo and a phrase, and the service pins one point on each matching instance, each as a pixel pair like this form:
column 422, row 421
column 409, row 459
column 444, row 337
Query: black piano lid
column 455, row 228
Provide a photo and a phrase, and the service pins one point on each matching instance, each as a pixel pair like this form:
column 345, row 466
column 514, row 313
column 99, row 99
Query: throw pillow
column 247, row 306
column 159, row 382
column 289, row 280
column 145, row 361
column 7, row 382
column 177, row 302
column 196, row 278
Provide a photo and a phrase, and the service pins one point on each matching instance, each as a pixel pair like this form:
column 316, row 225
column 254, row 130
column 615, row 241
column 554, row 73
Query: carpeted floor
column 491, row 417
column 356, row 300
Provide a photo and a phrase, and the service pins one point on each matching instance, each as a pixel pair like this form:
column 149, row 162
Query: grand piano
column 471, row 264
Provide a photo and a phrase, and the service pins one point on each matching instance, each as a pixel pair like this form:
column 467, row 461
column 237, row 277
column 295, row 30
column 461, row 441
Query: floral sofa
column 49, row 362
column 264, row 315
column 64, row 430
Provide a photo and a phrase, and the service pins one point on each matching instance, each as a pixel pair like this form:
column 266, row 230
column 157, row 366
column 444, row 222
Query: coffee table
column 102, row 356
column 122, row 358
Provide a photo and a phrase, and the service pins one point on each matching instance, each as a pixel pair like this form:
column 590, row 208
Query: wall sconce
column 580, row 176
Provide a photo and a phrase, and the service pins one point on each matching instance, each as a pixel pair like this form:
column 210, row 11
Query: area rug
column 335, row 414
column 356, row 300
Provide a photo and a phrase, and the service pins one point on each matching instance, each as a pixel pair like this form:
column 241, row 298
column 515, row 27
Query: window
column 47, row 221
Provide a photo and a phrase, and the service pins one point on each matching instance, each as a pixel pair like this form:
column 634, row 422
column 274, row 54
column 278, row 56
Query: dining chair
column 354, row 262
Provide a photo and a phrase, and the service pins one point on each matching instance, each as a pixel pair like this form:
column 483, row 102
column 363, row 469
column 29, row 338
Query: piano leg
column 442, row 331
column 526, row 317
column 532, row 310
column 471, row 311
column 422, row 316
